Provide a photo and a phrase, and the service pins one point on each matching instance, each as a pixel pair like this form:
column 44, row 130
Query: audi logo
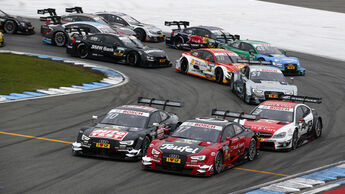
column 174, row 156
column 103, row 141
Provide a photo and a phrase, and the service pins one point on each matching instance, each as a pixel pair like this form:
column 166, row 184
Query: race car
column 14, row 24
column 204, row 146
column 287, row 123
column 144, row 32
column 121, row 48
column 126, row 131
column 256, row 83
column 259, row 50
column 213, row 64
column 2, row 40
column 197, row 37
column 77, row 17
column 56, row 34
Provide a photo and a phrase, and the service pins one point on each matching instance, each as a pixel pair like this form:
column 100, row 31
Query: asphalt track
column 31, row 165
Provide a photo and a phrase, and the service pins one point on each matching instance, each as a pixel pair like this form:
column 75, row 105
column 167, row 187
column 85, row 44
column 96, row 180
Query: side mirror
column 251, row 52
column 301, row 120
column 208, row 59
column 284, row 52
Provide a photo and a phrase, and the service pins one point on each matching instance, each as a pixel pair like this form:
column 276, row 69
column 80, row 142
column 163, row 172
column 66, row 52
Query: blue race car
column 263, row 51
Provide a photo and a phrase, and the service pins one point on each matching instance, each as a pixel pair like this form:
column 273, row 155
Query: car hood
column 154, row 52
column 182, row 146
column 265, row 125
column 113, row 132
column 273, row 86
column 278, row 58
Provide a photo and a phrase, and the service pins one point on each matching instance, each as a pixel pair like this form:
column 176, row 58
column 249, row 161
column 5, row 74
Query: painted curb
column 312, row 181
column 114, row 78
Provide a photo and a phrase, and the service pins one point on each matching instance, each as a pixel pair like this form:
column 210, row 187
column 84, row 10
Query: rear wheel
column 184, row 65
column 60, row 39
column 219, row 76
column 140, row 34
column 10, row 27
column 178, row 41
column 252, row 151
column 82, row 51
column 218, row 163
column 318, row 128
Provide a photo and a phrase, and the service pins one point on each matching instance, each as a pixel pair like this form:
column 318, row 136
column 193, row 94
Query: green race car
column 263, row 51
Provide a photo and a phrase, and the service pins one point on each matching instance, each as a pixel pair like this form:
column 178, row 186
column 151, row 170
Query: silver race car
column 145, row 32
column 256, row 83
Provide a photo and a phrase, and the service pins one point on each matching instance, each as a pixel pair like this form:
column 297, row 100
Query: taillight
column 172, row 34
column 73, row 40
column 47, row 22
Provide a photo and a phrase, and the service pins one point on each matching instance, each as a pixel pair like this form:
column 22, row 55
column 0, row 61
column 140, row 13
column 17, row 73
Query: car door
column 95, row 42
column 239, row 134
column 208, row 63
column 155, row 125
column 304, row 119
column 244, row 50
column 243, row 79
column 229, row 150
column 111, row 47
column 196, row 61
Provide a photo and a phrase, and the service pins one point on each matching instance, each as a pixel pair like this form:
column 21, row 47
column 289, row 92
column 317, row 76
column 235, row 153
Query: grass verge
column 20, row 73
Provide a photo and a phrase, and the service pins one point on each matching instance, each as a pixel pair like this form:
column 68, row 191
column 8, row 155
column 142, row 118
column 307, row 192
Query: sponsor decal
column 139, row 107
column 187, row 141
column 130, row 112
column 281, row 108
column 181, row 149
column 268, row 70
column 107, row 133
column 101, row 48
column 202, row 125
column 240, row 145
column 225, row 53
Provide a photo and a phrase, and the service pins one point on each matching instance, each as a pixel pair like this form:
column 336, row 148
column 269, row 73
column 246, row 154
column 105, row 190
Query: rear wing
column 254, row 62
column 164, row 103
column 302, row 99
column 74, row 9
column 55, row 19
column 51, row 11
column 177, row 23
column 236, row 115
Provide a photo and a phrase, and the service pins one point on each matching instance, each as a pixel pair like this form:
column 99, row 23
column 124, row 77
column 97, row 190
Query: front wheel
column 218, row 163
column 294, row 140
column 145, row 145
column 132, row 58
column 140, row 34
column 252, row 151
column 60, row 39
column 184, row 65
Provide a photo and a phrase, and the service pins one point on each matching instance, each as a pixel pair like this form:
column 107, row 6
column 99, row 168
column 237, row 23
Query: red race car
column 204, row 146
column 212, row 64
column 286, row 124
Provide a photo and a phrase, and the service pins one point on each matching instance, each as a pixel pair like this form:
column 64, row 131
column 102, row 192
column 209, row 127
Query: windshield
column 106, row 29
column 226, row 58
column 284, row 114
column 267, row 75
column 131, row 41
column 124, row 119
column 131, row 20
column 267, row 49
column 100, row 20
column 219, row 34
column 191, row 131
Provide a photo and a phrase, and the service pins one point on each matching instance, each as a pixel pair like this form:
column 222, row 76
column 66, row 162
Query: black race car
column 126, row 131
column 197, row 37
column 78, row 16
column 127, row 49
column 14, row 24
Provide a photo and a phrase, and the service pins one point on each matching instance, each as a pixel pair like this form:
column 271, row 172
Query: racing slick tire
column 318, row 128
column 60, row 39
column 184, row 65
column 252, row 151
column 219, row 76
column 218, row 163
column 82, row 51
column 141, row 34
column 145, row 145
column 177, row 41
column 294, row 140
column 10, row 27
column 133, row 58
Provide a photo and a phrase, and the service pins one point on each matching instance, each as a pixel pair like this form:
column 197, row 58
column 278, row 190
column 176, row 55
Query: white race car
column 286, row 124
